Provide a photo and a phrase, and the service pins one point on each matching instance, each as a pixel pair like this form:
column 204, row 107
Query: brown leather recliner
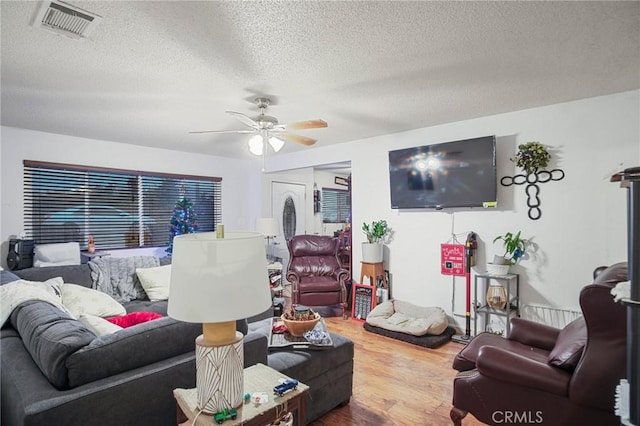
column 543, row 375
column 315, row 273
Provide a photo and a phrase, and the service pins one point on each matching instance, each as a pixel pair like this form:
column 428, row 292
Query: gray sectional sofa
column 56, row 371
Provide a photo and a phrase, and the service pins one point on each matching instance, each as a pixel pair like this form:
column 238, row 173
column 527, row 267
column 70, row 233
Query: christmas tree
column 183, row 220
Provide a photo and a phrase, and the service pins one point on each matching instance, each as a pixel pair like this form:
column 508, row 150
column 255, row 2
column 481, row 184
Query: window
column 336, row 205
column 119, row 208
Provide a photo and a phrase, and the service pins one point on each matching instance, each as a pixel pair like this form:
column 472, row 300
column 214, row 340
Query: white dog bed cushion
column 404, row 317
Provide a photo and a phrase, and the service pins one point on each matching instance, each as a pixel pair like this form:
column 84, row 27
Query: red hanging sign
column 452, row 259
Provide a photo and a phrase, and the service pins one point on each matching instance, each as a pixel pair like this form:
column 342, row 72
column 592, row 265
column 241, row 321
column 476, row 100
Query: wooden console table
column 257, row 378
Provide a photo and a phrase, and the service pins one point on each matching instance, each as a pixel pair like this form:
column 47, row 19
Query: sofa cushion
column 50, row 335
column 82, row 300
column 155, row 281
column 159, row 307
column 98, row 325
column 7, row 277
column 77, row 274
column 130, row 347
column 129, row 320
column 568, row 348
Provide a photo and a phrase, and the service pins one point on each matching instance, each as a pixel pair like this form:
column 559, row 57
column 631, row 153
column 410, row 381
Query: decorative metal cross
column 532, row 189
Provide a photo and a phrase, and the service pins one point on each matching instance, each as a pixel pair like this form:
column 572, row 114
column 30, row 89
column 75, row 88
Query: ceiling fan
column 268, row 129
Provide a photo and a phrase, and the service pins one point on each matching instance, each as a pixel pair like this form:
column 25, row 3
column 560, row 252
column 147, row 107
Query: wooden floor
column 395, row 383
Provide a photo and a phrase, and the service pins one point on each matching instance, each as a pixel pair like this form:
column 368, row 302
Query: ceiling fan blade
column 290, row 137
column 310, row 124
column 243, row 119
column 223, row 131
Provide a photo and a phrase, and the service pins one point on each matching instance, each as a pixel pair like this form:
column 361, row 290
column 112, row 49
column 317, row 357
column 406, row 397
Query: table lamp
column 216, row 280
column 268, row 227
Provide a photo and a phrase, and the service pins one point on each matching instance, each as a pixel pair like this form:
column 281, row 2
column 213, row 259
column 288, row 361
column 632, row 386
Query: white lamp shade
column 267, row 226
column 276, row 143
column 217, row 280
column 256, row 144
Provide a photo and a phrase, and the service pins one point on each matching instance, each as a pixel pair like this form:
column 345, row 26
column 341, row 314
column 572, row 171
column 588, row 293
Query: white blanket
column 16, row 292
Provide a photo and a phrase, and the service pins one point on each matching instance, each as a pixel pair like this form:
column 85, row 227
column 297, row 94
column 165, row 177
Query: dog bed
column 422, row 326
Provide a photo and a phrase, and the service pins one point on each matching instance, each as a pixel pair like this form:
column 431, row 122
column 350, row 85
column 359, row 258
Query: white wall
column 583, row 221
column 240, row 179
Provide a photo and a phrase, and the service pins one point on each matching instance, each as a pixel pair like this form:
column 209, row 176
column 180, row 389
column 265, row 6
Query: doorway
column 289, row 209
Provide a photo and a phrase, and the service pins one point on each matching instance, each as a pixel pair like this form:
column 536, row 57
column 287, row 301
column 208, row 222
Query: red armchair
column 543, row 375
column 315, row 273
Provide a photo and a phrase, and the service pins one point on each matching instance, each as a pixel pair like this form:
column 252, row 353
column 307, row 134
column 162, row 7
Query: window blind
column 119, row 208
column 336, row 205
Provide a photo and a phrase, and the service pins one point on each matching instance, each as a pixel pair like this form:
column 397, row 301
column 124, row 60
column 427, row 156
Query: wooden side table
column 373, row 271
column 257, row 378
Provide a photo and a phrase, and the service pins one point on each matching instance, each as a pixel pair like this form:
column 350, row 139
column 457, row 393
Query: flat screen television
column 443, row 175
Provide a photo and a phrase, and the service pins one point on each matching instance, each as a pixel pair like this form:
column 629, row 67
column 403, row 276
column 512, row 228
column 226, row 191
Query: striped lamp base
column 219, row 375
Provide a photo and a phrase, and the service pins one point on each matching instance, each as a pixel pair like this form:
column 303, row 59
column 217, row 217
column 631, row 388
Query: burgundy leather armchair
column 315, row 273
column 543, row 375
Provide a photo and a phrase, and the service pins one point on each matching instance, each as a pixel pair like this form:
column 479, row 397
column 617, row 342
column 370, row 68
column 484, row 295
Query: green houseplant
column 514, row 248
column 376, row 232
column 531, row 156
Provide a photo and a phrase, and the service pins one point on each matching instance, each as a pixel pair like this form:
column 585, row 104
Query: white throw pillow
column 98, row 325
column 83, row 300
column 155, row 282
column 59, row 254
column 16, row 292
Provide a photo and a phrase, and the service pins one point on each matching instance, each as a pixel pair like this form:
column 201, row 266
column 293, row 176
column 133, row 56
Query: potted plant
column 514, row 249
column 376, row 233
column 531, row 156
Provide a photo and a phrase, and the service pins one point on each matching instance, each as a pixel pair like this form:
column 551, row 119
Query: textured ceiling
column 153, row 71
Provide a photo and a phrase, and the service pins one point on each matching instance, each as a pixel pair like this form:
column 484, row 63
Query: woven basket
column 298, row 328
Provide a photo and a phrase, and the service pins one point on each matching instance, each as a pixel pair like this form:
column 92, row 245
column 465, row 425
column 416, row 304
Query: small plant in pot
column 376, row 232
column 514, row 248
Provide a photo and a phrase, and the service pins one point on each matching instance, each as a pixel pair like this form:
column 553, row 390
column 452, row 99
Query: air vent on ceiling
column 65, row 19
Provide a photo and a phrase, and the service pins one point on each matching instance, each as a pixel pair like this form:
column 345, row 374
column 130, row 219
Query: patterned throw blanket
column 117, row 276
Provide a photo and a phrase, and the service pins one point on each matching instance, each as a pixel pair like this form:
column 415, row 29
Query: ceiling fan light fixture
column 276, row 143
column 256, row 144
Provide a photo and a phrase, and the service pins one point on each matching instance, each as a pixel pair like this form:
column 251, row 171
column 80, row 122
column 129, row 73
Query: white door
column 288, row 208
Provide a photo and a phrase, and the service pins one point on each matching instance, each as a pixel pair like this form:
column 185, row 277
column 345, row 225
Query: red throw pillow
column 133, row 318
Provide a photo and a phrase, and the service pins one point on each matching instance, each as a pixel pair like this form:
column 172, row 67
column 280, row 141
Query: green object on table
column 224, row 415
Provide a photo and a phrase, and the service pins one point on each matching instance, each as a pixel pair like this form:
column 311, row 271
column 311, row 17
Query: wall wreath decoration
column 531, row 158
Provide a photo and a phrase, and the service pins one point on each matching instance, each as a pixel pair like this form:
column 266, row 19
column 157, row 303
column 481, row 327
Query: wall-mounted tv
column 451, row 174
